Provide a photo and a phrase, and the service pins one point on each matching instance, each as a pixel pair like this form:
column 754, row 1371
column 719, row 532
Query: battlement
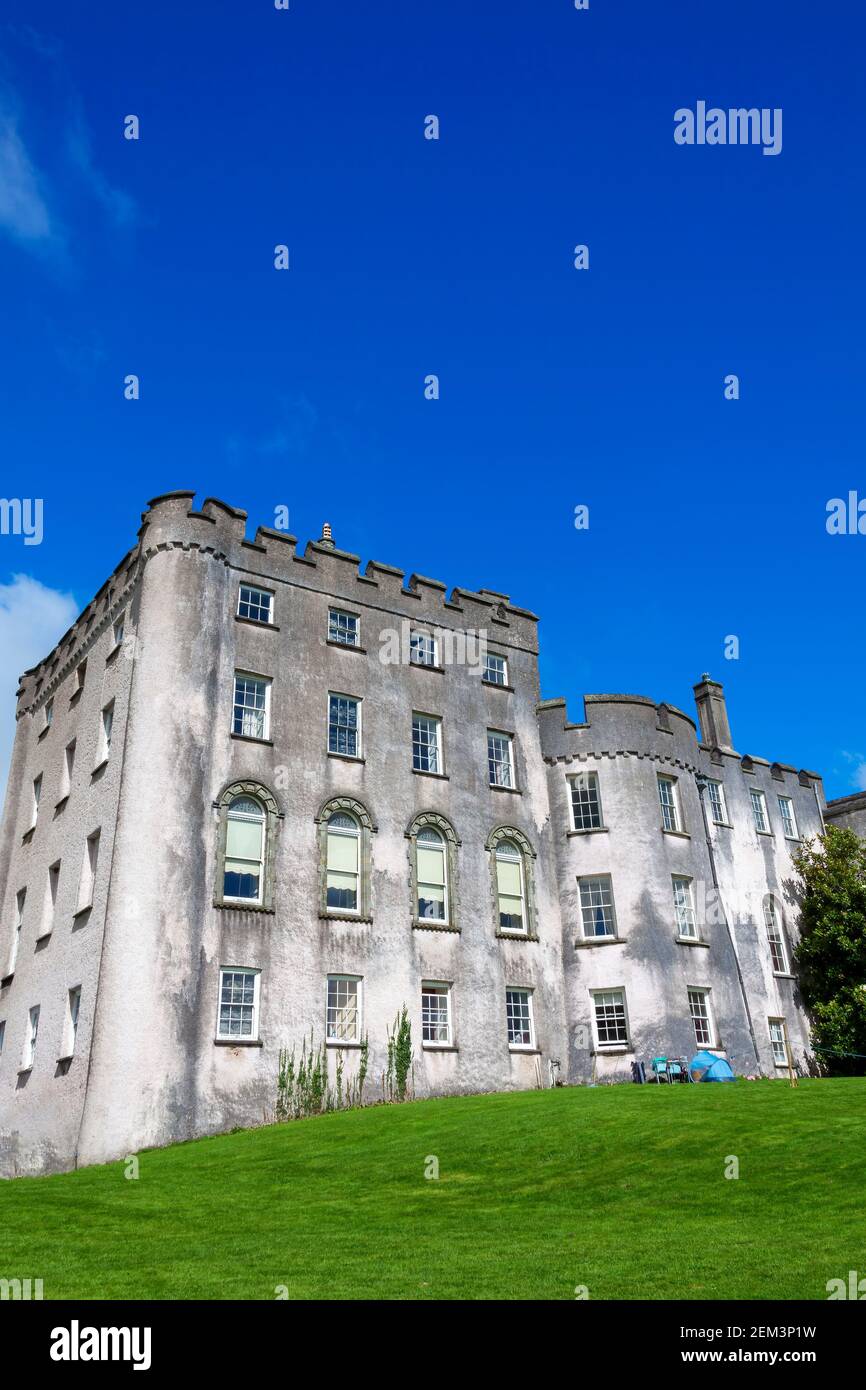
column 219, row 530
column 637, row 724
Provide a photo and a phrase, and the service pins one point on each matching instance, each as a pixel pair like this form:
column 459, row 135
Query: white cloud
column 118, row 205
column 23, row 210
column 858, row 776
column 32, row 618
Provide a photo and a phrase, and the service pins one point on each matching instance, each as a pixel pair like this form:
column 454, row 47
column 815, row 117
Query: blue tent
column 706, row 1066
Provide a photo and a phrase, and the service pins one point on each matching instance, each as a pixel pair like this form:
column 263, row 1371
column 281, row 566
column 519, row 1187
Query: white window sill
column 585, row 941
column 691, row 941
column 678, row 834
column 590, row 830
column 526, row 1048
column 342, row 1043
column 783, row 975
column 622, row 1050
column 238, row 1042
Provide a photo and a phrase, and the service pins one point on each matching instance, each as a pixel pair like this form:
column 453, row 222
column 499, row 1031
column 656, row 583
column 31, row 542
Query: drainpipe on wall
column 701, row 783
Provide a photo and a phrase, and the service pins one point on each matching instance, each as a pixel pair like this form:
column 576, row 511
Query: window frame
column 106, row 727
column 788, row 801
column 343, row 833
column 267, row 682
column 432, row 639
column 705, row 994
column 719, row 785
column 259, row 592
column 617, row 1044
column 689, row 907
column 438, row 989
column 358, row 702
column 69, row 753
column 52, row 890
column 368, row 829
column 492, row 762
column 337, row 640
column 757, row 794
column 781, row 1023
column 609, row 907
column 433, row 721
column 674, row 806
column 433, row 820
column 496, row 656
column 240, row 1039
column 87, row 877
column 31, row 1037
column 338, row 977
column 526, row 992
column 587, row 776
column 273, row 816
column 70, row 1022
column 772, row 926
column 15, row 945
column 237, row 900
column 528, row 855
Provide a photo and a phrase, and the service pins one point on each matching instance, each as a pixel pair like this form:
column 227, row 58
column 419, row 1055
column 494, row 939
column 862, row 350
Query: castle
column 230, row 822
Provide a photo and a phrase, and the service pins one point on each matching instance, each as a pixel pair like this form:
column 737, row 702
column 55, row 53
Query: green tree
column 831, row 954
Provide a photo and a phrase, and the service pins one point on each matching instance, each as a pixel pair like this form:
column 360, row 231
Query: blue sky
column 408, row 257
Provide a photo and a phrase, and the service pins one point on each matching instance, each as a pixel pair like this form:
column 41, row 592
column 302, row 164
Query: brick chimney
column 713, row 713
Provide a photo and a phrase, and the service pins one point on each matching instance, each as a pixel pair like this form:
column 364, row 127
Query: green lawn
column 621, row 1189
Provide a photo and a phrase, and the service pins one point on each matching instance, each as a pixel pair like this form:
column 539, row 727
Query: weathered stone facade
column 140, row 921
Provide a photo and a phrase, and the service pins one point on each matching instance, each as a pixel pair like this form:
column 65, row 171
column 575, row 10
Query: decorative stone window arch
column 429, row 825
column 523, row 858
column 336, row 846
column 244, row 839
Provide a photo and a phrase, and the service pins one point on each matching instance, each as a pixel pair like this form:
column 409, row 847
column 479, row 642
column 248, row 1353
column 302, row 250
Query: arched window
column 248, row 815
column 344, row 855
column 510, row 888
column 432, row 875
column 345, row 859
column 511, row 857
column 243, row 871
column 433, row 849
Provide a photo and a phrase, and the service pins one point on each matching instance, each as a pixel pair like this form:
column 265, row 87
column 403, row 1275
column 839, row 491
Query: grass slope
column 621, row 1189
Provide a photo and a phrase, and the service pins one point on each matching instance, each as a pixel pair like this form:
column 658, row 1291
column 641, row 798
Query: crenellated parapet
column 636, row 726
column 618, row 726
column 38, row 685
column 218, row 531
